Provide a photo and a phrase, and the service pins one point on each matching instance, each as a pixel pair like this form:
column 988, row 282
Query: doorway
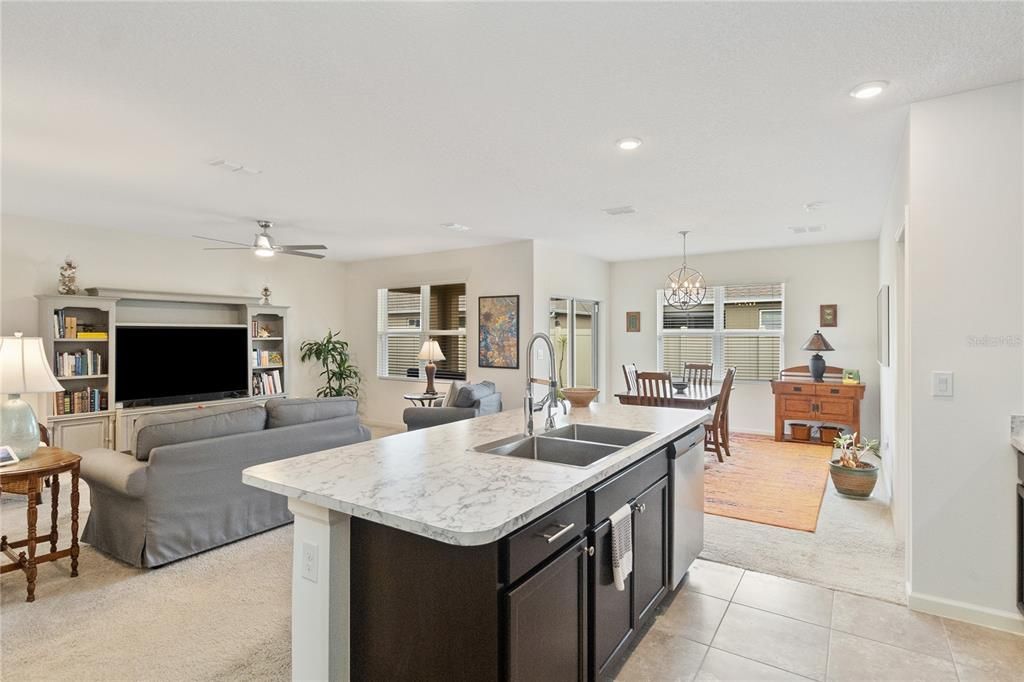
column 573, row 328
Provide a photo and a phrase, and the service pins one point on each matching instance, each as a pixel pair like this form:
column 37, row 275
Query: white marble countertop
column 431, row 483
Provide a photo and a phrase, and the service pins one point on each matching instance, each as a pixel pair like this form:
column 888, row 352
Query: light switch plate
column 310, row 556
column 942, row 384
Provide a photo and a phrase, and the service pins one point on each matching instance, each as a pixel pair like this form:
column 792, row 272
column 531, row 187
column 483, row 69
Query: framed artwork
column 828, row 315
column 499, row 332
column 883, row 325
column 633, row 322
column 851, row 376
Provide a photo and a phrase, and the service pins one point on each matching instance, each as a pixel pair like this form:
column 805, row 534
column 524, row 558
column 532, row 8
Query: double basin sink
column 576, row 445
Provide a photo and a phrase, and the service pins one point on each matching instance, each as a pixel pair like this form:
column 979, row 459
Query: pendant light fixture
column 685, row 288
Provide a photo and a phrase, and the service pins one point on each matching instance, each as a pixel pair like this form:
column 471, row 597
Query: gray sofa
column 464, row 401
column 180, row 491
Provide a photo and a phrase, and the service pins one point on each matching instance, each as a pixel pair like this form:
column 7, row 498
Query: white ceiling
column 375, row 123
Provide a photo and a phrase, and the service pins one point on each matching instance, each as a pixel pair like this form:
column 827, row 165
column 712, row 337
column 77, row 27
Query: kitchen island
column 418, row 557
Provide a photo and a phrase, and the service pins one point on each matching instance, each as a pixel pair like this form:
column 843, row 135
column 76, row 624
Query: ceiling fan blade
column 227, row 248
column 301, row 253
column 300, row 247
column 225, row 241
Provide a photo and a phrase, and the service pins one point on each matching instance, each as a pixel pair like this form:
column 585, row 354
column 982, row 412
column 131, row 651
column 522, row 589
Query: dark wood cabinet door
column 650, row 549
column 611, row 613
column 547, row 620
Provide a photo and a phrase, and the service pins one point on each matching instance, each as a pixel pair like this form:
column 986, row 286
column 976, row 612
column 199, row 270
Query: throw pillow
column 453, row 392
column 470, row 394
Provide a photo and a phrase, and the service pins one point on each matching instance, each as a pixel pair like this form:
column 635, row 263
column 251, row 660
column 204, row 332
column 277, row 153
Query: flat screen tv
column 165, row 365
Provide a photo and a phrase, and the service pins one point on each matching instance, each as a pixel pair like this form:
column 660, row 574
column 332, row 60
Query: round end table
column 28, row 478
column 424, row 399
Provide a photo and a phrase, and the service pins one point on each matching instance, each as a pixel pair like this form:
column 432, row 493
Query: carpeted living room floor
column 225, row 614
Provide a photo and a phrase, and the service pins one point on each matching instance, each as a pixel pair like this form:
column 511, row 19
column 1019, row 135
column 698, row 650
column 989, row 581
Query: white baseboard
column 1010, row 621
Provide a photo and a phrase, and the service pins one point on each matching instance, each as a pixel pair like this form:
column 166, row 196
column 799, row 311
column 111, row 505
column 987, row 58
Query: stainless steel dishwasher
column 686, row 494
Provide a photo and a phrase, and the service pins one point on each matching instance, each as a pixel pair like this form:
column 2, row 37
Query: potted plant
column 851, row 475
column 341, row 375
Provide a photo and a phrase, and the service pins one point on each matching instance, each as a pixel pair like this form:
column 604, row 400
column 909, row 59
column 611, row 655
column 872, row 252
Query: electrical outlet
column 942, row 384
column 310, row 553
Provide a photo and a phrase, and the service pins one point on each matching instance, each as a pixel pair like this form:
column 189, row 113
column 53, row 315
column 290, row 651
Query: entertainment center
column 154, row 352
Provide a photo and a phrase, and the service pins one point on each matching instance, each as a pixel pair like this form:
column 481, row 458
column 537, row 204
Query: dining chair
column 629, row 371
column 654, row 388
column 716, row 434
column 698, row 372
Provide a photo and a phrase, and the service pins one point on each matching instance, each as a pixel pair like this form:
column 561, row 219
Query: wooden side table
column 424, row 399
column 27, row 477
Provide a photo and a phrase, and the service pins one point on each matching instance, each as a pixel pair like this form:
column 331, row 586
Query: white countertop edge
column 619, row 461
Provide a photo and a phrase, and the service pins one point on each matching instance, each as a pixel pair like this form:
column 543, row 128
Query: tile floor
column 730, row 624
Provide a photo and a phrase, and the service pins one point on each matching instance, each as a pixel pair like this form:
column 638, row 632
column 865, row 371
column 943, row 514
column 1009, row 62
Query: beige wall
column 487, row 271
column 33, row 251
column 844, row 274
column 964, row 269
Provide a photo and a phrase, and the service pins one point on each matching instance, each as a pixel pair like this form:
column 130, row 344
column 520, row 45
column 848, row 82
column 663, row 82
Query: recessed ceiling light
column 869, row 89
column 455, row 227
column 629, row 143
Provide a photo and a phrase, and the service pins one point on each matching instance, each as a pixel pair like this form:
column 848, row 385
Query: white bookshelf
column 87, row 428
column 267, row 336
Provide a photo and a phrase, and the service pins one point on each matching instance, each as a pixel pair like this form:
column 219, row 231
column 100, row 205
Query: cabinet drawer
column 798, row 388
column 530, row 546
column 624, row 486
column 836, row 391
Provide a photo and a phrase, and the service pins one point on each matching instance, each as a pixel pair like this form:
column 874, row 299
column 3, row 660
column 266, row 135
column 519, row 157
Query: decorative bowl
column 580, row 396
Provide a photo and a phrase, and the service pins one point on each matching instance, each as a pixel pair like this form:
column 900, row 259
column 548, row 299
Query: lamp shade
column 817, row 343
column 431, row 351
column 24, row 367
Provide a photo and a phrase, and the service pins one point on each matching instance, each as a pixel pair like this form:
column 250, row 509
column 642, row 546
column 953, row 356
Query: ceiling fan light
column 263, row 252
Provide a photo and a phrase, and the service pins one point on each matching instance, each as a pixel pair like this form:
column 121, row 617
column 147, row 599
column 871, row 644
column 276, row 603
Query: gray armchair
column 464, row 401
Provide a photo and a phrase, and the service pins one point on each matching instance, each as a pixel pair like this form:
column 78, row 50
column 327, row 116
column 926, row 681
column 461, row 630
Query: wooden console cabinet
column 805, row 400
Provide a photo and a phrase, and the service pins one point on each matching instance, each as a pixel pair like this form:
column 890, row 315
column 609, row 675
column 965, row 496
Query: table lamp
column 24, row 368
column 817, row 343
column 431, row 351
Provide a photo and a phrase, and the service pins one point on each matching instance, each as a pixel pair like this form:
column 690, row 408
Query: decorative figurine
column 67, row 285
column 265, row 293
column 263, row 332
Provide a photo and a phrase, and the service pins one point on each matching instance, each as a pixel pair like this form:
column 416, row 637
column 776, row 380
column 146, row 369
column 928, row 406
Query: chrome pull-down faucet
column 552, row 399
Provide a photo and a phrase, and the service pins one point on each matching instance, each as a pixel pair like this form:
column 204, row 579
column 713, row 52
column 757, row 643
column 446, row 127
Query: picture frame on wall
column 633, row 322
column 828, row 315
column 498, row 320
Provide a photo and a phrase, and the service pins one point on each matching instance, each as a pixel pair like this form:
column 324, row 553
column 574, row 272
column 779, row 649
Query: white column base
column 321, row 646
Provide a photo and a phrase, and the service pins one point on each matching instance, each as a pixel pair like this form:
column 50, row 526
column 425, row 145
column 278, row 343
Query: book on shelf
column 266, row 358
column 80, row 402
column 68, row 327
column 81, row 363
column 267, row 383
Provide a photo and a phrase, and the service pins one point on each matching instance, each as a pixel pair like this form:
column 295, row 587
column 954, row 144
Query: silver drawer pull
column 563, row 529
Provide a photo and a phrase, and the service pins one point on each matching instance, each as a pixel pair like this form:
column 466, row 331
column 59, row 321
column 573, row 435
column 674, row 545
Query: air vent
column 233, row 166
column 619, row 210
column 804, row 229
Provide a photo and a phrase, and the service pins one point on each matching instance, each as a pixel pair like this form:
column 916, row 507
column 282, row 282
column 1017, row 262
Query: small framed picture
column 7, row 456
column 851, row 376
column 829, row 315
column 633, row 322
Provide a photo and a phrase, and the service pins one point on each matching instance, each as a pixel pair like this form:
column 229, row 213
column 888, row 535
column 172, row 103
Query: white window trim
column 719, row 332
column 423, row 334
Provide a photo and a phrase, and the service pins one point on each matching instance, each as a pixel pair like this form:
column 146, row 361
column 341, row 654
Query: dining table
column 693, row 397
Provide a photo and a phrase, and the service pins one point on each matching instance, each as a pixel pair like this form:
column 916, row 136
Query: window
column 739, row 326
column 573, row 328
column 400, row 329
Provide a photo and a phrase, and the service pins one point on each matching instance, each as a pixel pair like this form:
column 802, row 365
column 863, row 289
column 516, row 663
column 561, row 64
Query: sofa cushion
column 198, row 423
column 469, row 394
column 453, row 392
column 291, row 411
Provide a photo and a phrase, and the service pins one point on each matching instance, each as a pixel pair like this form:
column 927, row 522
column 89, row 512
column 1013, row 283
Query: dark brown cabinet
column 611, row 609
column 547, row 620
column 650, row 549
column 616, row 615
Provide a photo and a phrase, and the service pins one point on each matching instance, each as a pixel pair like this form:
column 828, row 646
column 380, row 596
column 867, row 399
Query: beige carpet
column 224, row 614
column 853, row 548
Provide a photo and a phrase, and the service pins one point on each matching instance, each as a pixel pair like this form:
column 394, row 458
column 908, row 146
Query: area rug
column 778, row 484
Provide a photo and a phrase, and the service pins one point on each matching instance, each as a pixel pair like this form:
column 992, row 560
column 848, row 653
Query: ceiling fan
column 264, row 245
